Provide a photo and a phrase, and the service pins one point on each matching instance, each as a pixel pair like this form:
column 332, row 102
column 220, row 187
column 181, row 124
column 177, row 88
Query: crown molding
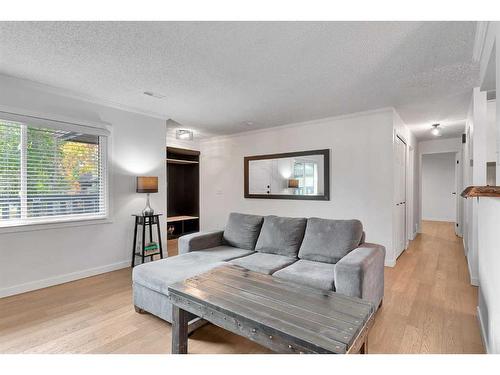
column 80, row 96
column 481, row 31
column 299, row 124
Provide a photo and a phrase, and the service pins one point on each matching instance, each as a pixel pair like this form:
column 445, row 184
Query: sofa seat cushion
column 281, row 235
column 263, row 262
column 242, row 230
column 315, row 274
column 160, row 274
column 330, row 240
column 225, row 253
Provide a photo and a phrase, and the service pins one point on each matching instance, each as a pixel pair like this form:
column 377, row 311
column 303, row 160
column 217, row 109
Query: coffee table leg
column 364, row 347
column 179, row 331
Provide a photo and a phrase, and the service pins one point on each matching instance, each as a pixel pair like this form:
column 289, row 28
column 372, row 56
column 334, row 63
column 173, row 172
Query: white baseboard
column 61, row 279
column 483, row 331
column 389, row 262
column 474, row 280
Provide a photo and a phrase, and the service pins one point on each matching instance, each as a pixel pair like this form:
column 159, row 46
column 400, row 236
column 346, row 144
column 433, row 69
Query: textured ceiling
column 216, row 76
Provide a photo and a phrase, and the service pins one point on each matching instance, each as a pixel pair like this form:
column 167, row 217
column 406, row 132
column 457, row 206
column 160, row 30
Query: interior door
column 260, row 172
column 400, row 195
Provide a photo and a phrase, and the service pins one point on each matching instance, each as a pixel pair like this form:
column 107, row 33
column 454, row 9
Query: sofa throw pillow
column 281, row 235
column 242, row 230
column 330, row 240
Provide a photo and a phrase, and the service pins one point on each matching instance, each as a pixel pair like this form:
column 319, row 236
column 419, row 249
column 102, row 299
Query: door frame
column 458, row 183
column 410, row 182
column 458, row 190
column 398, row 252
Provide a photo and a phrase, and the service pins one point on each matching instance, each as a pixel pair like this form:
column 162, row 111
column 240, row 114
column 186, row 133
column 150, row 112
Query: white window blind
column 50, row 174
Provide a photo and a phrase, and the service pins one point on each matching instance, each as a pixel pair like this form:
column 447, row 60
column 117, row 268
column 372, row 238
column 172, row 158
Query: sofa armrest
column 199, row 241
column 361, row 273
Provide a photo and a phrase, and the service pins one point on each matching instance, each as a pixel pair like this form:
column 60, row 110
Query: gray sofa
column 320, row 253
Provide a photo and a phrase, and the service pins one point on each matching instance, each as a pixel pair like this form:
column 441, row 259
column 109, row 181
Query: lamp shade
column 147, row 184
column 293, row 183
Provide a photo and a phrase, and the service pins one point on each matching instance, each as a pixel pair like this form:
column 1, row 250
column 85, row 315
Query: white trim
column 474, row 280
column 389, row 263
column 438, row 219
column 480, row 37
column 103, row 130
column 54, row 224
column 84, row 97
column 482, row 330
column 53, row 120
column 297, row 124
column 51, row 281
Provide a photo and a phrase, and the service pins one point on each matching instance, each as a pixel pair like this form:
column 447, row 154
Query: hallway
column 429, row 304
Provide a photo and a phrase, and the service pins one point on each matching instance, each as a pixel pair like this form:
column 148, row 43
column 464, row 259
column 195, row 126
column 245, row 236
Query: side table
column 144, row 222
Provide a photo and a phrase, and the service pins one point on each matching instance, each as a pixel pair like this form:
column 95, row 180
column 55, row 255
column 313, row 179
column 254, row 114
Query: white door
column 259, row 172
column 400, row 195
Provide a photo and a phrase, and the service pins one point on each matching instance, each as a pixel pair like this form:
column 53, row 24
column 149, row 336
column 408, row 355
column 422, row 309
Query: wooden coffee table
column 282, row 316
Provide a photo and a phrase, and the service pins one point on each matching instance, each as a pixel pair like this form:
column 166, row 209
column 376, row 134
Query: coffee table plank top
column 319, row 321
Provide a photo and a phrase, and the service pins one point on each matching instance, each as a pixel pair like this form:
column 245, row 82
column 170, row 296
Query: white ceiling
column 218, row 75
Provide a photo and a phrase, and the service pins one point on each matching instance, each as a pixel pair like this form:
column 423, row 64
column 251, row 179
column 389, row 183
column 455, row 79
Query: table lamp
column 293, row 183
column 147, row 184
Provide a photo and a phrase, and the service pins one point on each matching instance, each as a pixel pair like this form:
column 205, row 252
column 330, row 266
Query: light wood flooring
column 429, row 307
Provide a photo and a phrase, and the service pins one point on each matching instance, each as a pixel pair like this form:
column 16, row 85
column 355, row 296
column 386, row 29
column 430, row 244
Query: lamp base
column 148, row 210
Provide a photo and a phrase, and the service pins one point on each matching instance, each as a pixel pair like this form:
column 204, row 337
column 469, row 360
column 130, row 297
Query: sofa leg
column 139, row 310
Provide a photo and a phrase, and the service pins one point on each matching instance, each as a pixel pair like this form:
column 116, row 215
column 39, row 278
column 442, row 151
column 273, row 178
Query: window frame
column 101, row 129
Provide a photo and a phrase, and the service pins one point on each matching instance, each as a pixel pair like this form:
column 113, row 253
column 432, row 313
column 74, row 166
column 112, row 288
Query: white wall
column 488, row 212
column 361, row 174
column 34, row 259
column 491, row 131
column 438, row 184
column 190, row 145
column 489, row 275
column 475, row 151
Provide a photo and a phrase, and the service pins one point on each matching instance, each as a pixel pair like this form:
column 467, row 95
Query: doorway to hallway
column 439, row 190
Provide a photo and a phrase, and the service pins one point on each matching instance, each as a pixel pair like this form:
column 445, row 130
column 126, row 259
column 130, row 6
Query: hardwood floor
column 429, row 304
column 172, row 248
column 429, row 307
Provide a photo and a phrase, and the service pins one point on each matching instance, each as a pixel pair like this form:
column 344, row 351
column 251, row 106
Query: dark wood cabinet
column 183, row 192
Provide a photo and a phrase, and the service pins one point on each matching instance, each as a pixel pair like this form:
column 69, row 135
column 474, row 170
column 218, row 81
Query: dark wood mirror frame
column 326, row 158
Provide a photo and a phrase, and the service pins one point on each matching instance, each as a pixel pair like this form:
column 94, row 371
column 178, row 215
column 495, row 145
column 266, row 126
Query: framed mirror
column 292, row 175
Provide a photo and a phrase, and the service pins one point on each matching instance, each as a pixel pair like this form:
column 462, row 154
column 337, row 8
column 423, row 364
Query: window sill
column 54, row 224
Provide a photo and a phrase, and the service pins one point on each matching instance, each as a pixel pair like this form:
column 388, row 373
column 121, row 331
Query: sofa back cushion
column 330, row 240
column 242, row 230
column 281, row 235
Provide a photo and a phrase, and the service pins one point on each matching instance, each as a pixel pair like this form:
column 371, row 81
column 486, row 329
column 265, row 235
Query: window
column 50, row 173
column 307, row 174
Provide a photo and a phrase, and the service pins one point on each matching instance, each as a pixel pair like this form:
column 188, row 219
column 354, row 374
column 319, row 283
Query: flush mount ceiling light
column 435, row 130
column 184, row 134
column 154, row 94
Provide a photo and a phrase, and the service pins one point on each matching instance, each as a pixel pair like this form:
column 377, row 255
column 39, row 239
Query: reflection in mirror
column 300, row 175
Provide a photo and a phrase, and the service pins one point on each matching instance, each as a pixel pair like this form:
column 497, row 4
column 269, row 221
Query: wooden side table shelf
column 146, row 221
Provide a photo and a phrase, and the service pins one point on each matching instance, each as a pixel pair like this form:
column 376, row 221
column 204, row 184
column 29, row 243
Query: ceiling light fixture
column 184, row 134
column 435, row 130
